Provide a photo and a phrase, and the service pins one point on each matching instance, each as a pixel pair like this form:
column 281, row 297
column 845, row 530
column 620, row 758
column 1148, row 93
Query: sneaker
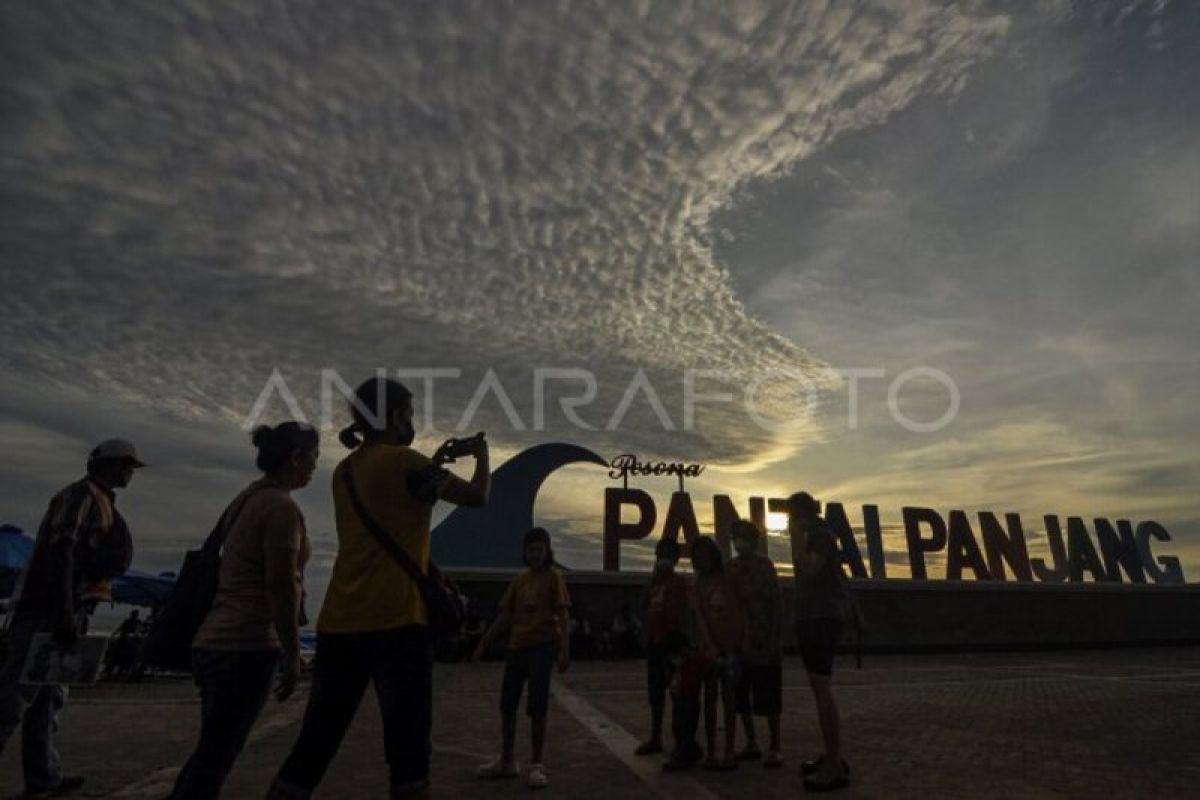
column 811, row 767
column 63, row 787
column 498, row 769
column 774, row 759
column 537, row 777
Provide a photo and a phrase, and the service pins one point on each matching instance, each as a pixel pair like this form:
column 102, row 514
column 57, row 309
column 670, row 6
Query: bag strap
column 216, row 539
column 384, row 539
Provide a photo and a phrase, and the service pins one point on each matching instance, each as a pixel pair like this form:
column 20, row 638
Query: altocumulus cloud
column 195, row 195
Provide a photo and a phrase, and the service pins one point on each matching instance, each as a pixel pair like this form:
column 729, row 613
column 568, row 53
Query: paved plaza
column 1085, row 724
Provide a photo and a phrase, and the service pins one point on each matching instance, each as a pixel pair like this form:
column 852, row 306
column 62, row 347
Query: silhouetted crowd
column 712, row 640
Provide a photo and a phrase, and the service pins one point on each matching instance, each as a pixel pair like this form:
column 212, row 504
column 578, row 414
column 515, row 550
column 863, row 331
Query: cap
column 114, row 450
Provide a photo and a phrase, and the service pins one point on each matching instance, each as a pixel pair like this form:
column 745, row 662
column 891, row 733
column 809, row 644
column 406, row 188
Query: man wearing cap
column 82, row 543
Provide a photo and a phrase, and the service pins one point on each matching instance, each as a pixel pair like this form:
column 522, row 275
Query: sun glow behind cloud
column 195, row 196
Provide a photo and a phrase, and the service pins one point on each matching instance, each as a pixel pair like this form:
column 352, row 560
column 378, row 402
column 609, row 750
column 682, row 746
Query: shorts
column 818, row 639
column 532, row 666
column 658, row 675
column 725, row 673
column 760, row 690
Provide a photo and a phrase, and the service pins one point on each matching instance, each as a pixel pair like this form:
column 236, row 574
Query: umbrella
column 138, row 588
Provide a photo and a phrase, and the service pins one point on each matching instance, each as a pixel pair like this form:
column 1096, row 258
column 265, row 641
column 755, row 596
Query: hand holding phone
column 453, row 449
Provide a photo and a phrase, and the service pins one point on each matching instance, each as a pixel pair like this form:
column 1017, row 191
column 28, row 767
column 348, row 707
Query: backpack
column 169, row 643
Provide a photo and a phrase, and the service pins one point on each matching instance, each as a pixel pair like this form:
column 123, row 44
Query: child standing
column 688, row 667
column 667, row 609
column 535, row 609
column 722, row 628
column 760, row 690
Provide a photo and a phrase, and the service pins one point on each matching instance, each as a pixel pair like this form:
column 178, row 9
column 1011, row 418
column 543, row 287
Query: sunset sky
column 768, row 193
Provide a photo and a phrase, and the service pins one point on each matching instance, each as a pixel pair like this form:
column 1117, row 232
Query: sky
column 205, row 209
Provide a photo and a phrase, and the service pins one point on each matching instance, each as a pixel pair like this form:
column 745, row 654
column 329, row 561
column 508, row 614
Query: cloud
column 196, row 195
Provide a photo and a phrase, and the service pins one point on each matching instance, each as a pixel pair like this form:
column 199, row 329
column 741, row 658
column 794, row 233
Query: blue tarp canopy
column 137, row 588
column 15, row 548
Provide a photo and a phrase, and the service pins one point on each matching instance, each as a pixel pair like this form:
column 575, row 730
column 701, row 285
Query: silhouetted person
column 583, row 643
column 627, row 630
column 667, row 606
column 125, row 647
column 252, row 632
column 760, row 686
column 723, row 626
column 688, row 667
column 373, row 625
column 535, row 610
column 82, row 543
column 472, row 633
column 820, row 612
column 604, row 642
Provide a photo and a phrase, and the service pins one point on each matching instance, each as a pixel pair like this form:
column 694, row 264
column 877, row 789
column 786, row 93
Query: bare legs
column 830, row 722
column 773, row 726
column 717, row 690
column 711, row 690
column 730, row 716
column 748, row 727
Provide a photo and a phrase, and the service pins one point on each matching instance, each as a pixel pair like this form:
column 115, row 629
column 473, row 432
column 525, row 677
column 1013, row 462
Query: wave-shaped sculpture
column 491, row 536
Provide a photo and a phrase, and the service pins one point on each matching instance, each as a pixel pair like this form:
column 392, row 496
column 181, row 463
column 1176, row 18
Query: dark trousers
column 658, row 676
column 33, row 708
column 685, row 722
column 400, row 664
column 233, row 689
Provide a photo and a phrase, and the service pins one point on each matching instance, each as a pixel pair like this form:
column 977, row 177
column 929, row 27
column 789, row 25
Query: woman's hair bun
column 276, row 444
column 349, row 437
column 262, row 436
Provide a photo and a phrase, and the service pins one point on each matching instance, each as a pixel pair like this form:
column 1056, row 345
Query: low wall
column 943, row 615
